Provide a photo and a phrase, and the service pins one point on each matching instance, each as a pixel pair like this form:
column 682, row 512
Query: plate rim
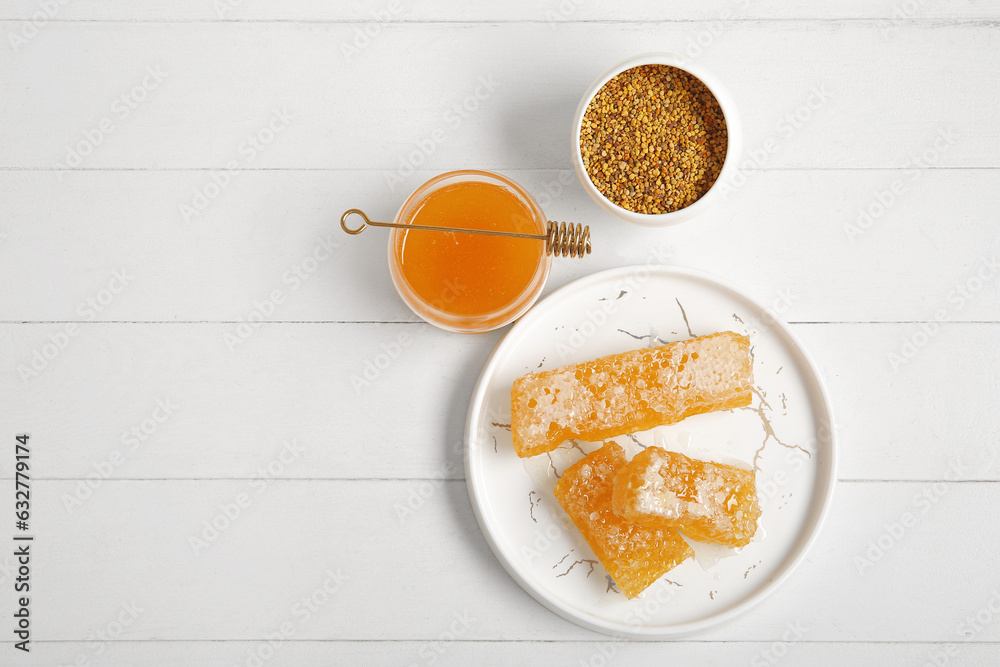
column 586, row 620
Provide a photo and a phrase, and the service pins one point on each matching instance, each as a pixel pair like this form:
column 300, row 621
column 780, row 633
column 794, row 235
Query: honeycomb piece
column 708, row 502
column 629, row 392
column 635, row 556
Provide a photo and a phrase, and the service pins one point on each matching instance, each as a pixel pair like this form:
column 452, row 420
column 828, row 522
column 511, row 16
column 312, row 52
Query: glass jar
column 469, row 283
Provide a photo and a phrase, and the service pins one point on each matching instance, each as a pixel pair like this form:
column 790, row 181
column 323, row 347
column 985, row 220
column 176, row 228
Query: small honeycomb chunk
column 635, row 556
column 629, row 392
column 708, row 502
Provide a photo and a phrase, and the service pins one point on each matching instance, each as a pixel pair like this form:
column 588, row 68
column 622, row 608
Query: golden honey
column 707, row 501
column 634, row 555
column 630, row 392
column 469, row 282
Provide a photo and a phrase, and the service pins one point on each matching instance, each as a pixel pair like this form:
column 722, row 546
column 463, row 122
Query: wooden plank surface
column 222, row 143
column 515, row 10
column 802, row 93
column 296, row 537
column 293, row 653
column 803, row 241
column 184, row 406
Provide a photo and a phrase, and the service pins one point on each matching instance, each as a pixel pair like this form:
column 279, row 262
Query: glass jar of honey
column 469, row 283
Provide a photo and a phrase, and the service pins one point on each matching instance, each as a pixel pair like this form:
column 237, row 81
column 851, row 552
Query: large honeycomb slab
column 630, row 392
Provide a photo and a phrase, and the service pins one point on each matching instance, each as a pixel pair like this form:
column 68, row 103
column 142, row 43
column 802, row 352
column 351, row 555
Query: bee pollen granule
column 654, row 139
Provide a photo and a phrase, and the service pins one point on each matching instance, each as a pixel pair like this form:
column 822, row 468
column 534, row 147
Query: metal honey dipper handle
column 562, row 239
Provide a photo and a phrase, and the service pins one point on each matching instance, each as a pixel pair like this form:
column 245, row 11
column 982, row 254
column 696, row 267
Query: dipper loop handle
column 561, row 239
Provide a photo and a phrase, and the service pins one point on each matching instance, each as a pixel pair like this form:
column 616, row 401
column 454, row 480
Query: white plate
column 603, row 314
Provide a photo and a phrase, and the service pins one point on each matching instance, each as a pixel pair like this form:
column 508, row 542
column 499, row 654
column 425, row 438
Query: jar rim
column 483, row 322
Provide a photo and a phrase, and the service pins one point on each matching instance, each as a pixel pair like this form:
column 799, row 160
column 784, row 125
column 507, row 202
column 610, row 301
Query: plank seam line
column 536, row 168
column 4, row 322
column 887, row 642
column 913, row 21
column 409, row 322
column 436, row 479
column 846, row 642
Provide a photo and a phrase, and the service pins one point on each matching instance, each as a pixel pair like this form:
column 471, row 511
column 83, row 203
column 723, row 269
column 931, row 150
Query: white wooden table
column 170, row 171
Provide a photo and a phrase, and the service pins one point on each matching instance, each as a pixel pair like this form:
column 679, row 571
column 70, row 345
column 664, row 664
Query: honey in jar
column 469, row 282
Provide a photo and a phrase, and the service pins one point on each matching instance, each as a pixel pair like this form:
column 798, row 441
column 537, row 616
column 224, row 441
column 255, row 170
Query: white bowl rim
column 734, row 132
